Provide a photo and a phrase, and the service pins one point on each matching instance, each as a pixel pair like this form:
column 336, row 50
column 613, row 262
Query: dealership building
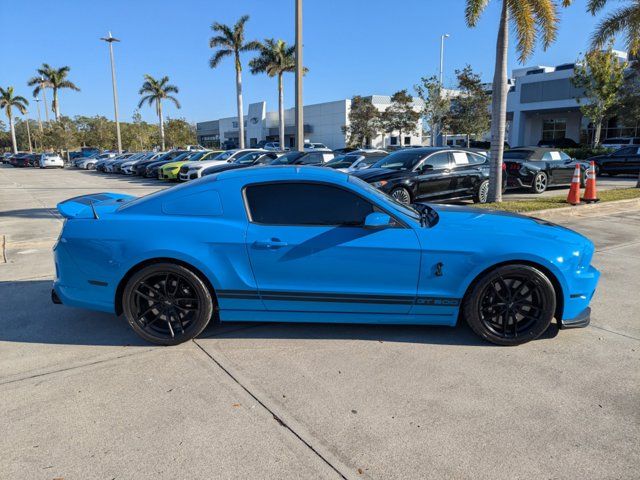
column 323, row 123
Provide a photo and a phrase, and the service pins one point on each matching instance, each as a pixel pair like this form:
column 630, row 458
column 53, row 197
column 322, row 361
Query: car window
column 402, row 160
column 516, row 154
column 287, row 158
column 564, row 156
column 615, row 141
column 311, row 159
column 341, row 161
column 476, row 158
column 305, row 204
column 460, row 158
column 439, row 161
column 625, row 151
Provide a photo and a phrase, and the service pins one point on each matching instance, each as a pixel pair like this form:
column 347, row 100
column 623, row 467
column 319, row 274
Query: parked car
column 356, row 160
column 89, row 163
column 558, row 143
column 170, row 170
column 624, row 160
column 430, row 173
column 141, row 166
column 128, row 167
column 50, row 160
column 310, row 245
column 101, row 164
column 246, row 160
column 193, row 170
column 271, row 146
column 20, row 160
column 116, row 166
column 313, row 146
column 619, row 142
column 344, row 151
column 538, row 168
column 111, row 165
column 153, row 169
column 309, row 157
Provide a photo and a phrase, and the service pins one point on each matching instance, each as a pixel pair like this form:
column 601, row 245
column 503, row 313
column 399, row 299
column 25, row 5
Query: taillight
column 504, row 167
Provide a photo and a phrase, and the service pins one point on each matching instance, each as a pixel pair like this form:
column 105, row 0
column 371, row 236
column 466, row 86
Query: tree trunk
column 281, row 110
column 56, row 106
column 13, row 131
column 240, row 109
column 161, row 120
column 46, row 109
column 468, row 140
column 499, row 108
column 596, row 134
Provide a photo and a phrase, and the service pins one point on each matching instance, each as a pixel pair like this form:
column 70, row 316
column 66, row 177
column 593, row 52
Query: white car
column 89, row 163
column 51, row 160
column 315, row 146
column 193, row 170
column 128, row 167
column 620, row 142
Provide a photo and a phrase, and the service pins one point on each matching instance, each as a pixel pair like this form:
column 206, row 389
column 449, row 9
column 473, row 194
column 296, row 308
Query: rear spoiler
column 84, row 206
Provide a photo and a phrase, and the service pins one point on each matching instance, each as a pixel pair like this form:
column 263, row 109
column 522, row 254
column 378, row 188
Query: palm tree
column 8, row 101
column 530, row 20
column 155, row 91
column 55, row 79
column 41, row 86
column 276, row 58
column 230, row 41
column 624, row 20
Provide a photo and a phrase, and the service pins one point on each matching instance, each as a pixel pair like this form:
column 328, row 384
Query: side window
column 546, row 157
column 564, row 156
column 305, row 204
column 311, row 159
column 439, row 161
column 476, row 159
column 624, row 151
column 460, row 158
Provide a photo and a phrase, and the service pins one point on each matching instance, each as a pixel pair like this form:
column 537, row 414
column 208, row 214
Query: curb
column 587, row 210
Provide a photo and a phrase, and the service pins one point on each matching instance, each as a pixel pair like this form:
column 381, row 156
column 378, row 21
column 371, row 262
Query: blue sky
column 351, row 47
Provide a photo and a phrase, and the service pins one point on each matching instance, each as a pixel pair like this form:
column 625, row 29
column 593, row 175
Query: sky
column 351, row 47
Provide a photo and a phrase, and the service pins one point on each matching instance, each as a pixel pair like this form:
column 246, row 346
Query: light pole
column 110, row 41
column 299, row 74
column 39, row 117
column 442, row 37
column 43, row 86
column 28, row 134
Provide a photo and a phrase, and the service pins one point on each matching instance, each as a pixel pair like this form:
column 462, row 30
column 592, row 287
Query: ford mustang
column 312, row 244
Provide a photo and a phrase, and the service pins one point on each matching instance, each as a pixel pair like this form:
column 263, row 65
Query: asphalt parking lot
column 82, row 397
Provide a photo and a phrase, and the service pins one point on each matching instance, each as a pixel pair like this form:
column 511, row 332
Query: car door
column 434, row 176
column 618, row 161
column 560, row 170
column 632, row 161
column 310, row 253
column 465, row 172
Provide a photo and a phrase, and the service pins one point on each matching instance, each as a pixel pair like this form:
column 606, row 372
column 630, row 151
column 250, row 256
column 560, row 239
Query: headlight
column 379, row 184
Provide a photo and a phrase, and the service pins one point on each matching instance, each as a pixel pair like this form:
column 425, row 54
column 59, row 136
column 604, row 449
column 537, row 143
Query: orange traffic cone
column 590, row 194
column 574, row 192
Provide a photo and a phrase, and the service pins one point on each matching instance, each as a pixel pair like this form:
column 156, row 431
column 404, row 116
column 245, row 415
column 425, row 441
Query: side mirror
column 377, row 220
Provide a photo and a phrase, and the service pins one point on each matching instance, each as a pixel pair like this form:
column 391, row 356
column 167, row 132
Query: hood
column 376, row 174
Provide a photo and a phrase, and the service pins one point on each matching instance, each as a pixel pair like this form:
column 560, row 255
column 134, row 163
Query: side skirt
column 448, row 319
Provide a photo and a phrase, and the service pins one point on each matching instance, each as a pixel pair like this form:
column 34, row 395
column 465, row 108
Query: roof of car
column 275, row 172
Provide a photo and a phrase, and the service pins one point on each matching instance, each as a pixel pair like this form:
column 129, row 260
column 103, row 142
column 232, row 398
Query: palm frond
column 68, row 84
column 251, row 46
column 174, row 100
column 546, row 19
column 217, row 57
column 614, row 23
column 594, row 6
column 473, row 11
column 524, row 25
column 220, row 41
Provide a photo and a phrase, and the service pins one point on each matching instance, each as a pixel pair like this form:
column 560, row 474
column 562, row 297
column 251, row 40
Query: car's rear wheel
column 510, row 305
column 402, row 195
column 167, row 304
column 482, row 193
column 540, row 182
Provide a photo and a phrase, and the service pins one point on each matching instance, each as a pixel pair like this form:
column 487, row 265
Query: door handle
column 272, row 244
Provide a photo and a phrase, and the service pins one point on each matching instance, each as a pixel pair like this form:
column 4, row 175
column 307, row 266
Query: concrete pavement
column 82, row 397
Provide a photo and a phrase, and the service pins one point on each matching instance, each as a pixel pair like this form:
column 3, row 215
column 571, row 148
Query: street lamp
column 110, row 41
column 39, row 117
column 299, row 73
column 43, row 86
column 442, row 37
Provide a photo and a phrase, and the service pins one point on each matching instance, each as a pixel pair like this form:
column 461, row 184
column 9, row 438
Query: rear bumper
column 582, row 320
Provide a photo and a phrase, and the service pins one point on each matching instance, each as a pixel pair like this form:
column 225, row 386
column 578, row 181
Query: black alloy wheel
column 510, row 305
column 402, row 195
column 167, row 304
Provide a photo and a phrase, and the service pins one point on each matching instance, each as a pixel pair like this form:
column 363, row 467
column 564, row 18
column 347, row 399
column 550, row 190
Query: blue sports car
column 310, row 244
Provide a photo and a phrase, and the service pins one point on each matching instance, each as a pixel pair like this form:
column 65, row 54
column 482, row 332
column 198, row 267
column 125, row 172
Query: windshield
column 287, row 158
column 198, row 156
column 389, row 201
column 341, row 161
column 224, row 155
column 403, row 160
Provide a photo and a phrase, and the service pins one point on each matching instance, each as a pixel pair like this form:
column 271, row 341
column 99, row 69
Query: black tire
column 481, row 194
column 155, row 312
column 540, row 183
column 402, row 195
column 510, row 305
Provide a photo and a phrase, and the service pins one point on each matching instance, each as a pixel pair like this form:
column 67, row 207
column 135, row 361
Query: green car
column 171, row 169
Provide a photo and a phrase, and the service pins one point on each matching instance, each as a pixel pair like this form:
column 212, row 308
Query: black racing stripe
column 340, row 297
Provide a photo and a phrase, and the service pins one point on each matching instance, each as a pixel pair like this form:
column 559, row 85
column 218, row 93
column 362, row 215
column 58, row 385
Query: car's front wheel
column 402, row 195
column 510, row 305
column 167, row 304
column 540, row 182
